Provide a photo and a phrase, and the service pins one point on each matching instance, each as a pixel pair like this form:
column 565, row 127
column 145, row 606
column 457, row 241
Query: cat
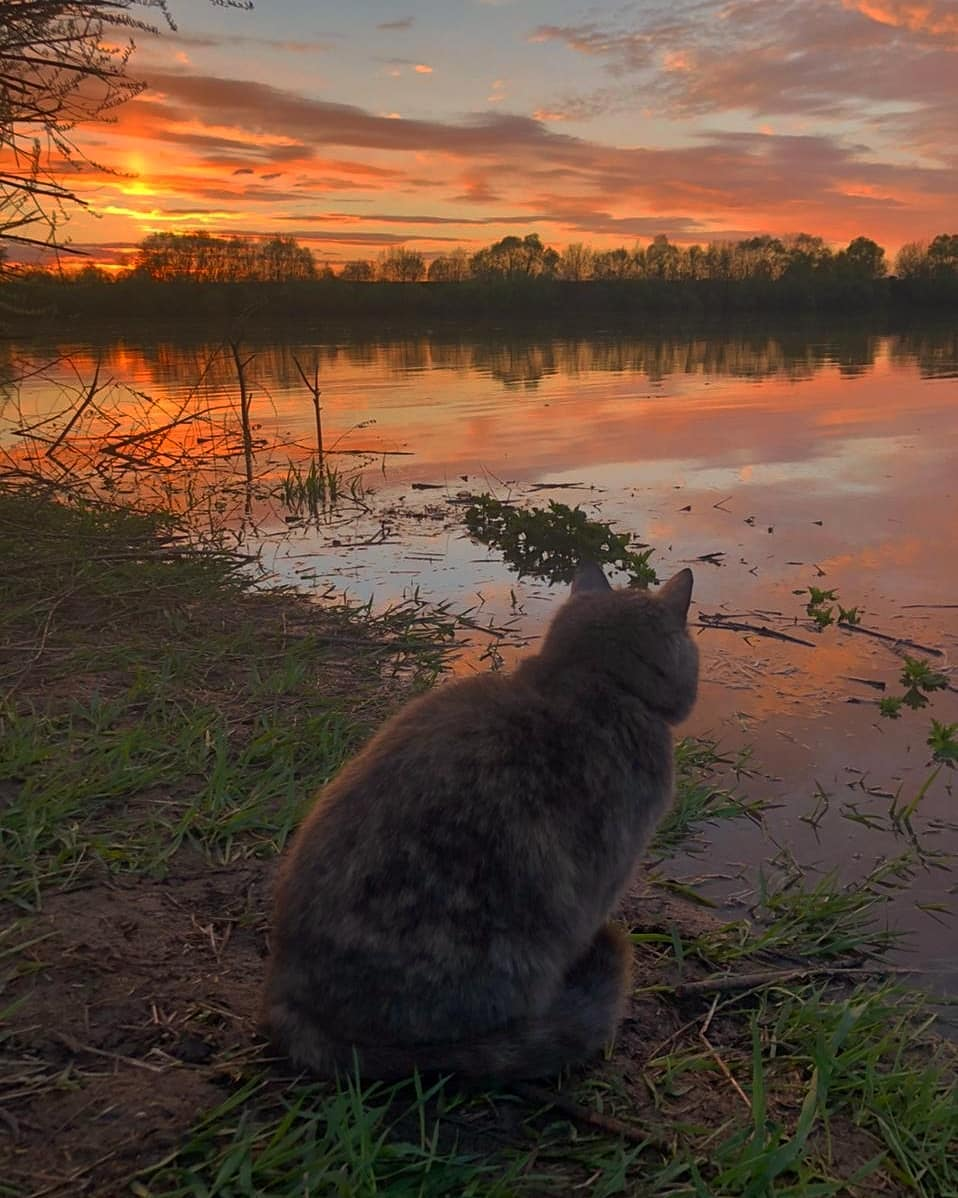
column 446, row 902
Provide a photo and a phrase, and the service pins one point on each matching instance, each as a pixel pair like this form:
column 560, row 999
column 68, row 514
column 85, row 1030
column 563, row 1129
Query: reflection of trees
column 934, row 351
column 174, row 366
column 518, row 364
column 403, row 356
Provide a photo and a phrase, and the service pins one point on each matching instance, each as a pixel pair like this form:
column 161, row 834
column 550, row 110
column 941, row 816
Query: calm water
column 790, row 460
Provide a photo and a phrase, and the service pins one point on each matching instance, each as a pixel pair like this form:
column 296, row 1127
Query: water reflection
column 515, row 361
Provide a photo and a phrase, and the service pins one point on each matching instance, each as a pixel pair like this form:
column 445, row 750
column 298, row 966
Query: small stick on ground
column 583, row 1114
column 716, row 1057
column 729, row 983
column 78, row 1049
column 892, row 640
column 872, row 682
column 755, row 629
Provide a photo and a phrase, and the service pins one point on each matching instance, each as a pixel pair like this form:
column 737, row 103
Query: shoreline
column 165, row 723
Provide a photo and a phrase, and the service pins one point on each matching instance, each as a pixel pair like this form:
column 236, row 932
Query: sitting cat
column 445, row 902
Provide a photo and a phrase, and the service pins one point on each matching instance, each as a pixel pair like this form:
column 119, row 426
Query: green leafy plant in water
column 819, row 606
column 549, row 543
column 943, row 741
column 919, row 680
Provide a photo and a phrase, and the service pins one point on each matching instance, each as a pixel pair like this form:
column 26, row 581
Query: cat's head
column 637, row 637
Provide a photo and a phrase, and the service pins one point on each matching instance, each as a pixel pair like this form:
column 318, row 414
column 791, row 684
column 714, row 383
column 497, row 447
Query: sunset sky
column 435, row 124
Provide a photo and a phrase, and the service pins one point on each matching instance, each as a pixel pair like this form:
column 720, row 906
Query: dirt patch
column 138, row 1010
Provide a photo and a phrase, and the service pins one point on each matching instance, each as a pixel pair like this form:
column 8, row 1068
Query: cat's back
column 447, row 761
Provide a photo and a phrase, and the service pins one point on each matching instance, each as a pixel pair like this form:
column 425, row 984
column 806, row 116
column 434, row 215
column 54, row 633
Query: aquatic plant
column 549, row 543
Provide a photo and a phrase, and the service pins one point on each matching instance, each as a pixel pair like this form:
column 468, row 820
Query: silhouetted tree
column 806, row 255
column 450, row 268
column 613, row 264
column 912, row 260
column 756, row 258
column 662, row 258
column 90, row 274
column 281, row 260
column 516, row 258
column 359, row 271
column 202, row 258
column 400, row 265
column 575, row 262
column 59, row 66
column 862, row 259
column 943, row 254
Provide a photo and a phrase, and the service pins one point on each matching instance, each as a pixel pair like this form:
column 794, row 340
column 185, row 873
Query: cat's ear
column 676, row 594
column 589, row 577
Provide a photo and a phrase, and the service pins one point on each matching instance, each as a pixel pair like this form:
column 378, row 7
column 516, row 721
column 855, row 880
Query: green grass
column 838, row 1095
column 339, row 1140
column 321, row 488
column 700, row 801
column 93, row 792
column 150, row 697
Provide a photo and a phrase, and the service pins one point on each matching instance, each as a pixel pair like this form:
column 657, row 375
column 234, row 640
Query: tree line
column 205, row 258
column 200, row 275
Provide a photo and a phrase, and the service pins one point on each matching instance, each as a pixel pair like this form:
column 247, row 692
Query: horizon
column 412, row 126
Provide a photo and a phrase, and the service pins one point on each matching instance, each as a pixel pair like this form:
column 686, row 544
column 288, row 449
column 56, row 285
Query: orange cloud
column 935, row 19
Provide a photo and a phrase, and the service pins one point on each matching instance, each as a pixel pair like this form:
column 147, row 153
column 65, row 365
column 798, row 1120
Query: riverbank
column 165, row 721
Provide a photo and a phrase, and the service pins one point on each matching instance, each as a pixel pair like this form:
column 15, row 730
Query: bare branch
column 63, row 63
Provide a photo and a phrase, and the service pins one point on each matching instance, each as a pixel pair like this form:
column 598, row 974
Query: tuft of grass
column 339, row 1140
column 785, row 1090
column 320, row 489
column 825, row 921
column 699, row 800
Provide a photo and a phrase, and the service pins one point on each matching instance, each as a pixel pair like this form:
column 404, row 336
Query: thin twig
column 77, row 1048
column 892, row 640
column 314, row 391
column 246, row 399
column 756, row 629
column 583, row 1114
column 731, row 982
column 81, row 408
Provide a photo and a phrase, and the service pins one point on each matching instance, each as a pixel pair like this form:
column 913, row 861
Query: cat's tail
column 574, row 1029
